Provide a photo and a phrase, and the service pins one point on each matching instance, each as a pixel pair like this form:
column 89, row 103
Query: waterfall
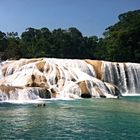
column 126, row 76
column 42, row 78
column 133, row 77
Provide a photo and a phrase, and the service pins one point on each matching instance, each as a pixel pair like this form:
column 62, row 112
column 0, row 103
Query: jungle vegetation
column 120, row 42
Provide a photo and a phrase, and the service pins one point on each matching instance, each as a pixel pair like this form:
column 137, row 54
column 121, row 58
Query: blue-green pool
column 83, row 119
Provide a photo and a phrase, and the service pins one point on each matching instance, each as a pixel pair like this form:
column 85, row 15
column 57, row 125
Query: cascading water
column 72, row 64
column 124, row 75
column 31, row 79
column 133, row 77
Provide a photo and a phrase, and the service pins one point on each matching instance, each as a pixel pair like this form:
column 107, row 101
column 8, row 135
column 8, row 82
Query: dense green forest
column 120, row 42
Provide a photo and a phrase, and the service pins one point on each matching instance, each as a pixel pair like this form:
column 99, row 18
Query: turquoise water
column 84, row 119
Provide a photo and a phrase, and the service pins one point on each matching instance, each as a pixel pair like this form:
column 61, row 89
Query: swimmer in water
column 41, row 105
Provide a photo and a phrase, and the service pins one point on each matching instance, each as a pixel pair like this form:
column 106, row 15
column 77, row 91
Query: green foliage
column 3, row 41
column 121, row 42
column 59, row 43
column 10, row 46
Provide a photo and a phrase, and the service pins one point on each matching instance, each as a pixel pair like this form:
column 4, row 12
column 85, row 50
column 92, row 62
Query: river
column 80, row 119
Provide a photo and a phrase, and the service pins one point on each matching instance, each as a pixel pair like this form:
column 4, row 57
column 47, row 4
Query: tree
column 3, row 41
column 75, row 48
column 13, row 46
column 91, row 44
column 121, row 41
column 29, row 41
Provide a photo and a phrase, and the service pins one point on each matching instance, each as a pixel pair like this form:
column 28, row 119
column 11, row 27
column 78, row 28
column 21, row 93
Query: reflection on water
column 75, row 119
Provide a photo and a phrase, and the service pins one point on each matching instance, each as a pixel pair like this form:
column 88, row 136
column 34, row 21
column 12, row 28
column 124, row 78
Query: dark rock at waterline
column 44, row 93
column 86, row 95
column 102, row 96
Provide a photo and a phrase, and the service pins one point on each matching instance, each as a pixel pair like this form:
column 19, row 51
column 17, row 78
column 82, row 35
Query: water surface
column 83, row 119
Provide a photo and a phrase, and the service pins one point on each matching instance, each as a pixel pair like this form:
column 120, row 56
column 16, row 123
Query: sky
column 90, row 17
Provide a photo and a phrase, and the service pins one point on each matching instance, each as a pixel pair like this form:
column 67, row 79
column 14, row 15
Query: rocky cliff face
column 28, row 79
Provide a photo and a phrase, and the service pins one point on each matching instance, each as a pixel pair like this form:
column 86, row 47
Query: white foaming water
column 72, row 64
column 124, row 75
column 133, row 76
column 63, row 78
column 130, row 94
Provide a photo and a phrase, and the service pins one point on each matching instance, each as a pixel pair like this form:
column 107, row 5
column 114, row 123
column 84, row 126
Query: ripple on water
column 75, row 119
